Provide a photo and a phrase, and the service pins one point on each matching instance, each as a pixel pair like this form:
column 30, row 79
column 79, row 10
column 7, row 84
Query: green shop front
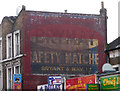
column 110, row 83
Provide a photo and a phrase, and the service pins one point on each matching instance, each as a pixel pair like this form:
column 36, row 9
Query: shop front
column 110, row 83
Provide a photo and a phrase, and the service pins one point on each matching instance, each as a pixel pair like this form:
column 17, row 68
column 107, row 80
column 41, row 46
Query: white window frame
column 7, row 47
column 15, row 69
column 11, row 78
column 16, row 32
column 116, row 53
column 1, row 49
column 1, row 77
column 116, row 66
column 1, row 80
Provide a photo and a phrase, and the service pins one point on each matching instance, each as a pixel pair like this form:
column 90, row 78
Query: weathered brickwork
column 49, row 38
column 6, row 29
column 10, row 25
column 57, row 27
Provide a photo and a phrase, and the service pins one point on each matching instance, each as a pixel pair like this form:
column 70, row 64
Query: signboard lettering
column 93, row 87
column 74, row 84
column 63, row 55
column 110, row 83
column 47, row 87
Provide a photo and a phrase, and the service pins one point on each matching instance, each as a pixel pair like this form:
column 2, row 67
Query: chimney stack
column 102, row 4
column 103, row 14
column 103, row 11
column 23, row 7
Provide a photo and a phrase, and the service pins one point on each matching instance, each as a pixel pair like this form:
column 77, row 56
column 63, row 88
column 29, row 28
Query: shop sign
column 93, row 87
column 17, row 81
column 110, row 83
column 79, row 83
column 54, row 80
column 47, row 87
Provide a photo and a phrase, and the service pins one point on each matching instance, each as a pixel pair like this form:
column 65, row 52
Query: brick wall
column 10, row 25
column 43, row 25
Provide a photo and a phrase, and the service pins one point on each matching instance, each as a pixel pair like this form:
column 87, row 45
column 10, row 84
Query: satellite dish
column 107, row 68
column 19, row 8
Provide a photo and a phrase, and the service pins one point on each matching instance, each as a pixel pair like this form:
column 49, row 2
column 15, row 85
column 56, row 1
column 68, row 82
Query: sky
column 9, row 8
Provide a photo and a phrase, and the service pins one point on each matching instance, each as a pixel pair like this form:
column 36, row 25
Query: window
column 0, row 48
column 1, row 79
column 16, row 43
column 9, row 78
column 116, row 53
column 17, row 70
column 9, row 45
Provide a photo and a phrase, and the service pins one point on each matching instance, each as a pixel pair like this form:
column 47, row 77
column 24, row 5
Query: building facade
column 1, row 72
column 38, row 44
column 113, row 52
column 11, row 50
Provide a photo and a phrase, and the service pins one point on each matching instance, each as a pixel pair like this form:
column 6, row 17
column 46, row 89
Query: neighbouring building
column 113, row 53
column 38, row 44
column 11, row 50
column 1, row 75
column 110, row 81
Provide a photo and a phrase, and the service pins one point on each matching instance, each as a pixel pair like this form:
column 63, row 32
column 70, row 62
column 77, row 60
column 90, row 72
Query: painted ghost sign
column 51, row 55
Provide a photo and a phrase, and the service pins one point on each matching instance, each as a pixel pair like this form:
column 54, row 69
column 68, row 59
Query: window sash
column 16, row 42
column 9, row 45
column 17, row 69
column 9, row 78
column 17, row 49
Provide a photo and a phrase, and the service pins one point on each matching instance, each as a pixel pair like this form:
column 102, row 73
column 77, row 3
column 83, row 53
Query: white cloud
column 8, row 8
